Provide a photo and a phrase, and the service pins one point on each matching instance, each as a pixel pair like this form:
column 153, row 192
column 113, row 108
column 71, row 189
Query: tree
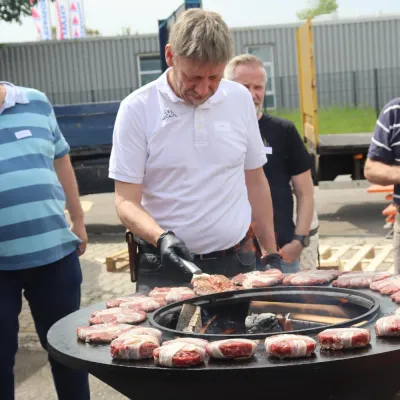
column 13, row 10
column 126, row 31
column 92, row 32
column 322, row 7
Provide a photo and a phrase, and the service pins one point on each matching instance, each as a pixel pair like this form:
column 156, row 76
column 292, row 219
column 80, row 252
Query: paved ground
column 345, row 217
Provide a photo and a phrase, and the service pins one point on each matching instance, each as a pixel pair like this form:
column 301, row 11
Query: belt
column 145, row 247
column 232, row 250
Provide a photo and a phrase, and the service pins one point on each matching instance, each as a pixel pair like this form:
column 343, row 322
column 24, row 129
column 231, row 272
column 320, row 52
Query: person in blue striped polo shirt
column 39, row 251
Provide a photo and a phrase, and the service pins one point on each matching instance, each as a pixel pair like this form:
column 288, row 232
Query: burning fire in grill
column 265, row 317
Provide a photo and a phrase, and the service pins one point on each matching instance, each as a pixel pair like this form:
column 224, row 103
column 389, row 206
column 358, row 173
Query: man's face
column 193, row 81
column 253, row 77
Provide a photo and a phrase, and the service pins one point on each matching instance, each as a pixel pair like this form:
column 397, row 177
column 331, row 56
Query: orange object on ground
column 380, row 189
column 391, row 209
column 389, row 197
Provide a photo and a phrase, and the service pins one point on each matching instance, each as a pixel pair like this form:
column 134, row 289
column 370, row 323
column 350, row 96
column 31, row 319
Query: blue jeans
column 290, row 268
column 53, row 291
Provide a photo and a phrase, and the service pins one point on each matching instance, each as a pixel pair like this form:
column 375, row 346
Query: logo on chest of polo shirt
column 168, row 113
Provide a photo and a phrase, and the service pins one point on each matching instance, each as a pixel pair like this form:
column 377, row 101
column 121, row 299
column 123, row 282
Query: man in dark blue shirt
column 383, row 163
column 288, row 165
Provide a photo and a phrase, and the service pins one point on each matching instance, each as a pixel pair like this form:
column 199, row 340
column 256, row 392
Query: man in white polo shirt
column 187, row 160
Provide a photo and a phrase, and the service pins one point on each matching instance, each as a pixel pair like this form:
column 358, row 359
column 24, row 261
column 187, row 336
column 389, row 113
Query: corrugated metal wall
column 105, row 69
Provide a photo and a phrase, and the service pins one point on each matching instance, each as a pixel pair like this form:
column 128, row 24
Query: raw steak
column 236, row 349
column 172, row 294
column 131, row 346
column 102, row 333
column 256, row 279
column 311, row 278
column 146, row 304
column 359, row 279
column 344, row 338
column 387, row 286
column 396, row 296
column 388, row 326
column 188, row 340
column 207, row 284
column 142, row 330
column 179, row 354
column 290, row 346
column 121, row 315
column 119, row 300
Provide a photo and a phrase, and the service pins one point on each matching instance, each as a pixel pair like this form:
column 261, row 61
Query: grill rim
column 214, row 298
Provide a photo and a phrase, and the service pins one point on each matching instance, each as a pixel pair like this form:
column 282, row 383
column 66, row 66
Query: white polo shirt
column 190, row 160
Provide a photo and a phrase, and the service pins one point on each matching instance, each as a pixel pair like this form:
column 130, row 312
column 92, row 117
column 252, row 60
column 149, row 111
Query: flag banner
column 77, row 19
column 63, row 19
column 41, row 16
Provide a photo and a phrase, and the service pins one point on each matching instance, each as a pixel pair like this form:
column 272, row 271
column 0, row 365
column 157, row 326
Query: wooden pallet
column 367, row 257
column 117, row 261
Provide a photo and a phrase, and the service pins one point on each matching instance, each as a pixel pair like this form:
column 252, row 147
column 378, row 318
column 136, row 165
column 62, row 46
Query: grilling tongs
column 191, row 267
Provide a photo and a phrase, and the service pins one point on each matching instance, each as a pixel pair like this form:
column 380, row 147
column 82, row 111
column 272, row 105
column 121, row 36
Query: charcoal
column 262, row 323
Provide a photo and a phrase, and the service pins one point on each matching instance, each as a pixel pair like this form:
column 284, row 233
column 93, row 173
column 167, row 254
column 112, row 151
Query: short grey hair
column 203, row 36
column 242, row 59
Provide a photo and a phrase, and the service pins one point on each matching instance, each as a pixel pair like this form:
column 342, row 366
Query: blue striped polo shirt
column 33, row 227
column 385, row 146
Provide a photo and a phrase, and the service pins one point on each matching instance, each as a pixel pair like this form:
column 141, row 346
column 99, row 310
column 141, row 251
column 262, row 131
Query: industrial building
column 357, row 63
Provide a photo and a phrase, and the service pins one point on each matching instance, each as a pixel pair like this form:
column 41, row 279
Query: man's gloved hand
column 171, row 248
column 272, row 260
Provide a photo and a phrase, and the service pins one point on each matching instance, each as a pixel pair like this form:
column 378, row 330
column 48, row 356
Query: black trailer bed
column 344, row 143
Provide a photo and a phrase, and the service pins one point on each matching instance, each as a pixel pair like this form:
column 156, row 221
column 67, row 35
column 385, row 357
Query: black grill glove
column 272, row 260
column 171, row 248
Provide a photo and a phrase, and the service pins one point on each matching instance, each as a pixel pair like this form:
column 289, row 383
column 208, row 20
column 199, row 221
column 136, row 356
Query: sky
column 110, row 16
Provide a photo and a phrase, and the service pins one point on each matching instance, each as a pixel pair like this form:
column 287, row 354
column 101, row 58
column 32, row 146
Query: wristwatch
column 303, row 239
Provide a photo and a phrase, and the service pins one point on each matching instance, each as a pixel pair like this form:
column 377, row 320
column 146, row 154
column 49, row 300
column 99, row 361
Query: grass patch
column 335, row 120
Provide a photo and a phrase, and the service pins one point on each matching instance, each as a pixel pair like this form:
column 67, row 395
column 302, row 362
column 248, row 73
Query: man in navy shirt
column 288, row 165
column 383, row 163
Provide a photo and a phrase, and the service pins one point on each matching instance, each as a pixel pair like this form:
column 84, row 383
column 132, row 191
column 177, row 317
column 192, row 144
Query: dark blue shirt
column 287, row 157
column 385, row 146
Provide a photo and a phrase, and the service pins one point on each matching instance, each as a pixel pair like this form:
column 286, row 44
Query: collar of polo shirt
column 14, row 95
column 164, row 88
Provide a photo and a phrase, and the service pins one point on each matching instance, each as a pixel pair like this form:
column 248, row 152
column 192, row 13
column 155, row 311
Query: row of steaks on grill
column 139, row 343
column 133, row 309
column 380, row 280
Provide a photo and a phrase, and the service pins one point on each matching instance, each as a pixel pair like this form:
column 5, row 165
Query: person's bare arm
column 133, row 216
column 66, row 176
column 259, row 195
column 304, row 191
column 381, row 174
